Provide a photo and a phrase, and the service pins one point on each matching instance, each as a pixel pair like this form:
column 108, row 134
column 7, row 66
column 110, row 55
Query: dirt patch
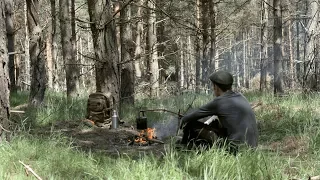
column 290, row 145
column 111, row 141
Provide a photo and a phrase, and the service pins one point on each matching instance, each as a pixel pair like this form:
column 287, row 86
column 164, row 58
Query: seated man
column 237, row 123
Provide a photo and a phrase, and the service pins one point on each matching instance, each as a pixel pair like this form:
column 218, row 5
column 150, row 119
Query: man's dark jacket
column 235, row 115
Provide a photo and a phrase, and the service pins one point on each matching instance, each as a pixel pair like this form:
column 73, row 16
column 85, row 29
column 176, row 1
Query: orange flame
column 145, row 135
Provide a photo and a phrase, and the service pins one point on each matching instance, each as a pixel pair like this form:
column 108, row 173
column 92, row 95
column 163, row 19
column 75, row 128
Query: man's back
column 235, row 115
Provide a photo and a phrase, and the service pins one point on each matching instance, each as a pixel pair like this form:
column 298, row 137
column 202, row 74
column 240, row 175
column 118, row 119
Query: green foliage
column 55, row 156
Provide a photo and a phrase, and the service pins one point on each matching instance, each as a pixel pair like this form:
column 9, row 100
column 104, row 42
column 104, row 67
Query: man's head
column 222, row 81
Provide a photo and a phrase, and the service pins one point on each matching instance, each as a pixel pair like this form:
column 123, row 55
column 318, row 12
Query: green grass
column 54, row 156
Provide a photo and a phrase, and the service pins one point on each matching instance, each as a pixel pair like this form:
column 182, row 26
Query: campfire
column 145, row 137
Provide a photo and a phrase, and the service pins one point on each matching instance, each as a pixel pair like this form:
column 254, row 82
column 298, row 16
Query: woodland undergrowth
column 289, row 143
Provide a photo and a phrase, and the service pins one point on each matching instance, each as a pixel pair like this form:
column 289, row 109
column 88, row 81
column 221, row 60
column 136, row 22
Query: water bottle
column 115, row 120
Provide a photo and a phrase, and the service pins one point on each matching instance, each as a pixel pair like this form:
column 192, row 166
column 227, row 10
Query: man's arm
column 209, row 109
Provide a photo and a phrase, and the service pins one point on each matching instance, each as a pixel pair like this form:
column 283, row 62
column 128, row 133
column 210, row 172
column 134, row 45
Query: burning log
column 145, row 137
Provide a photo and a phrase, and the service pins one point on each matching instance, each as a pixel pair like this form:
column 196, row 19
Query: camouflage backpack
column 98, row 108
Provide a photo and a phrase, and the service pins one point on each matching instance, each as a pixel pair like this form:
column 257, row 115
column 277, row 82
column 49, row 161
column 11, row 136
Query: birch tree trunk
column 181, row 64
column 10, row 37
column 298, row 65
column 4, row 76
column 27, row 70
column 205, row 42
column 277, row 43
column 106, row 49
column 138, row 49
column 212, row 10
column 292, row 76
column 38, row 63
column 68, row 49
column 311, row 46
column 127, row 70
column 191, row 64
column 152, row 50
column 264, row 46
column 197, row 48
column 244, row 59
column 51, row 46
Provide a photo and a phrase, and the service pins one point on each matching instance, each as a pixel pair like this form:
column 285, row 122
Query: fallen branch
column 314, row 178
column 21, row 106
column 256, row 105
column 17, row 111
column 156, row 141
column 4, row 129
column 29, row 169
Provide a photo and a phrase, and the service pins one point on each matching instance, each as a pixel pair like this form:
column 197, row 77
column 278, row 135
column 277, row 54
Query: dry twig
column 28, row 168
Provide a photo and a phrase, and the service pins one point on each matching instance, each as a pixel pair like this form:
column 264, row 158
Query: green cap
column 221, row 77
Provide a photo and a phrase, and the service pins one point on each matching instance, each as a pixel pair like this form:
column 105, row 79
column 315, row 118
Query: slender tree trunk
column 53, row 83
column 38, row 64
column 244, row 59
column 138, row 50
column 10, row 37
column 49, row 57
column 248, row 57
column 277, row 43
column 75, row 69
column 212, row 10
column 27, row 71
column 264, row 46
column 311, row 46
column 152, row 50
column 106, row 49
column 236, row 66
column 51, row 46
column 298, row 64
column 291, row 67
column 190, row 64
column 4, row 76
column 205, row 41
column 197, row 48
column 127, row 70
column 182, row 72
column 68, row 49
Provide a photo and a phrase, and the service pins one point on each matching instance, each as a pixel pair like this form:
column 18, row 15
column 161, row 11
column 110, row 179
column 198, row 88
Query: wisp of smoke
column 167, row 128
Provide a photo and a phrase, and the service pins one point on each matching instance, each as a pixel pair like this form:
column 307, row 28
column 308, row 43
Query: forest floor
column 56, row 143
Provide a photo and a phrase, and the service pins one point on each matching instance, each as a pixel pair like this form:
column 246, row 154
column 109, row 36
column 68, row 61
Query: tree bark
column 311, row 46
column 68, row 49
column 36, row 49
column 10, row 37
column 152, row 50
column 244, row 59
column 4, row 76
column 197, row 48
column 298, row 64
column 205, row 42
column 191, row 64
column 27, row 70
column 291, row 67
column 51, row 46
column 277, row 43
column 106, row 49
column 139, row 37
column 127, row 69
column 264, row 46
column 181, row 64
column 212, row 10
